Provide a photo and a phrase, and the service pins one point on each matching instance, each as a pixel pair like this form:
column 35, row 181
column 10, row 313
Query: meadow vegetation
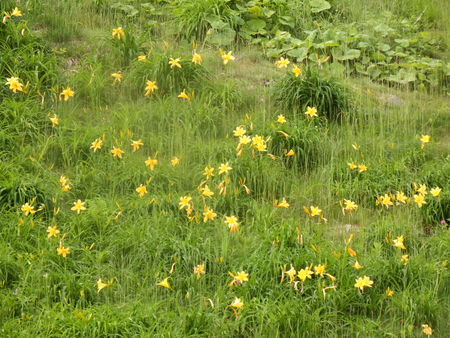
column 224, row 168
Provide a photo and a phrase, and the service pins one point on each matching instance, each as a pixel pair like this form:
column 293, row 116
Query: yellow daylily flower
column 117, row 152
column 311, row 112
column 226, row 57
column 101, row 285
column 282, row 62
column 141, row 190
column 357, row 266
column 424, row 139
column 362, row 168
column 224, row 168
column 297, row 71
column 363, row 282
column 420, row 200
column 97, row 144
column 118, row 33
column 398, row 243
column 117, row 77
column 281, row 119
column 175, row 62
column 238, row 278
column 232, row 223
column 136, row 144
column 239, row 131
column 150, row 87
column 427, row 330
column 184, row 96
column 54, row 120
column 165, row 283
column 52, row 231
column 14, row 84
column 78, row 206
column 174, row 161
column 207, row 192
column 62, row 251
column 199, row 270
column 151, row 162
column 389, row 292
column 208, row 214
column 435, row 192
column 185, row 202
column 283, row 204
column 196, row 58
column 67, row 93
column 28, row 209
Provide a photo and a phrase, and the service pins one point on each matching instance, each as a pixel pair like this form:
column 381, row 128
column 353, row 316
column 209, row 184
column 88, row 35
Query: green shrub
column 294, row 94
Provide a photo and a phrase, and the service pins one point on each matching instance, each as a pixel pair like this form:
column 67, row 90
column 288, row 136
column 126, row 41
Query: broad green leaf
column 402, row 42
column 255, row 11
column 349, row 54
column 403, row 76
column 255, row 25
column 274, row 52
column 299, row 53
column 384, row 47
column 216, row 22
column 330, row 43
column 363, row 44
column 287, row 21
column 222, row 37
column 268, row 12
column 318, row 6
column 373, row 71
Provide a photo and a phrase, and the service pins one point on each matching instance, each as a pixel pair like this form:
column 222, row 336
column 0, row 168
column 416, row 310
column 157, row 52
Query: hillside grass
column 132, row 242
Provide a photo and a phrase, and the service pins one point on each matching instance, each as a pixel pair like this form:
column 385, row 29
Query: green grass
column 136, row 242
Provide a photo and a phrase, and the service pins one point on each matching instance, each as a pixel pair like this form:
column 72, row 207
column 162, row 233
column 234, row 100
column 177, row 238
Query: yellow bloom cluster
column 296, row 277
column 419, row 196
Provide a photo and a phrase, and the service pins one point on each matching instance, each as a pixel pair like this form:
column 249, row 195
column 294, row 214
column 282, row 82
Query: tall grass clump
column 52, row 16
column 23, row 54
column 126, row 47
column 295, row 94
column 307, row 140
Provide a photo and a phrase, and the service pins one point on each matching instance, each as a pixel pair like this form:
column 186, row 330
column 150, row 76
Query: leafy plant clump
column 169, row 79
column 295, row 94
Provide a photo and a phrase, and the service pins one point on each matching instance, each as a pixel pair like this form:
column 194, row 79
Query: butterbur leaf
column 403, row 77
column 299, row 53
column 255, row 25
column 318, row 6
column 287, row 21
column 222, row 37
column 349, row 54
column 274, row 52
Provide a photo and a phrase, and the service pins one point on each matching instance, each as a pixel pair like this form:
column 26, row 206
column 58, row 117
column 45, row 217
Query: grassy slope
column 138, row 240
